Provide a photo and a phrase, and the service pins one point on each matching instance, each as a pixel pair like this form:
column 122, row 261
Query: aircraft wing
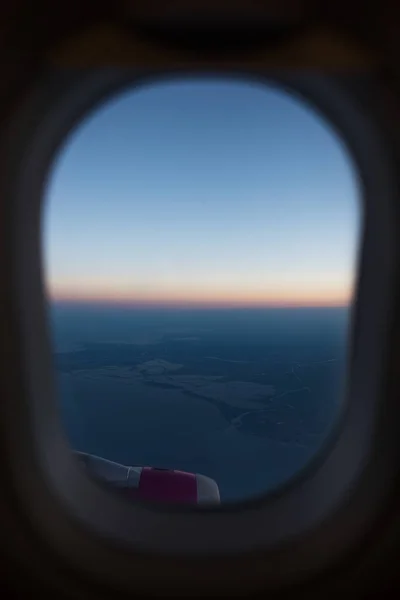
column 152, row 484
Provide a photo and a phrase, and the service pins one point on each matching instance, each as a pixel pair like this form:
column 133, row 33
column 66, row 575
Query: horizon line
column 193, row 305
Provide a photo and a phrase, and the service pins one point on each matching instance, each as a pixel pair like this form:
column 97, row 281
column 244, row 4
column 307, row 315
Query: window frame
column 304, row 526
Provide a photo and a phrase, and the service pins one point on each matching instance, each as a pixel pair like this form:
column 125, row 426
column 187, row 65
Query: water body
column 244, row 396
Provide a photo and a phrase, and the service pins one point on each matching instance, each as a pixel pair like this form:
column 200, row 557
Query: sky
column 202, row 193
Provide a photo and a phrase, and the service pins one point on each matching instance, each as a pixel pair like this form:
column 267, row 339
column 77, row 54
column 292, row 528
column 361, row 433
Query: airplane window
column 200, row 242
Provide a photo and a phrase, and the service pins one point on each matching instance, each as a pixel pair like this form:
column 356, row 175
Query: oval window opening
column 200, row 243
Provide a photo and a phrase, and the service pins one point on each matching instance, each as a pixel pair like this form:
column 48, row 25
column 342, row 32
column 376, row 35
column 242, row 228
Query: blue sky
column 204, row 192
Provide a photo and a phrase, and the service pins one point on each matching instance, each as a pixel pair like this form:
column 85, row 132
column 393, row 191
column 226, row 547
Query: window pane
column 200, row 243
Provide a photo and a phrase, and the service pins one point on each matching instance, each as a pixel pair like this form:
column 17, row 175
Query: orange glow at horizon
column 328, row 293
